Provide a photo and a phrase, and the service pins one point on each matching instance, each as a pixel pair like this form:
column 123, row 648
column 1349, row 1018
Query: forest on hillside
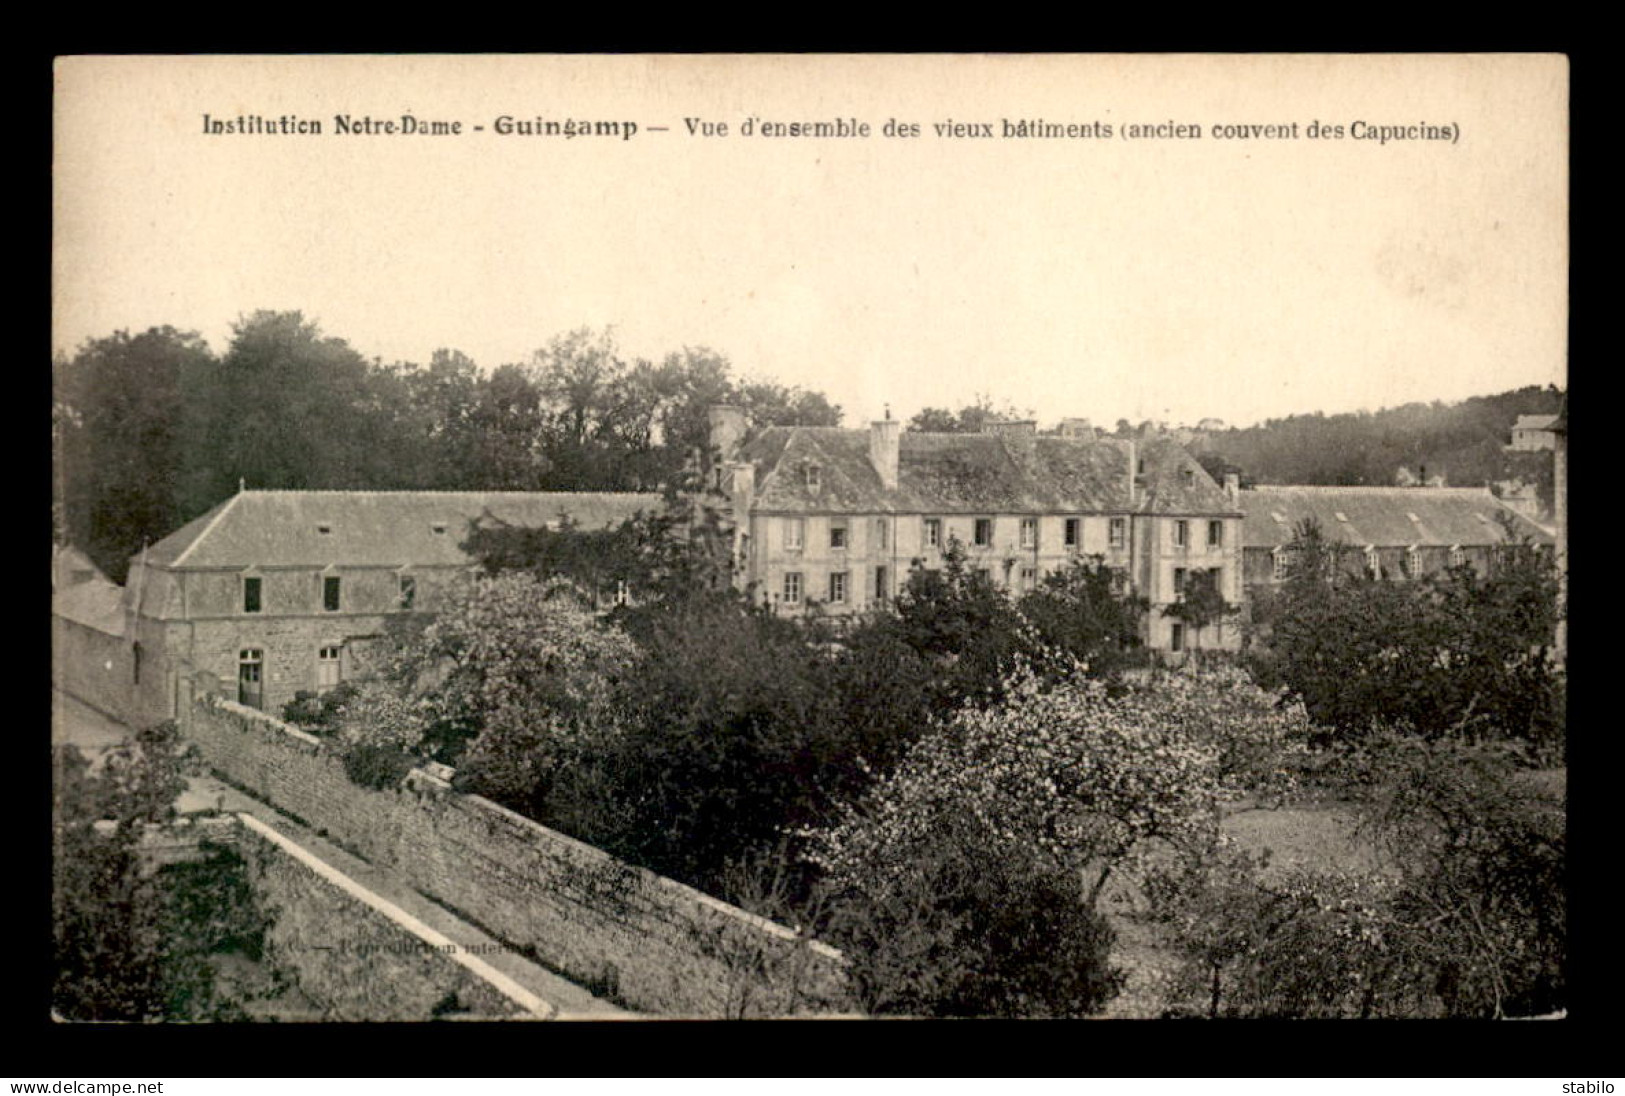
column 1463, row 442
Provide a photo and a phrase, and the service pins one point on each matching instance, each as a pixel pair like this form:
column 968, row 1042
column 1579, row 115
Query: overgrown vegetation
column 1458, row 653
column 1463, row 917
column 132, row 942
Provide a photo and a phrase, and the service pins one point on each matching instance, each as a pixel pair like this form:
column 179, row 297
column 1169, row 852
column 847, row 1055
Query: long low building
column 274, row 592
column 1389, row 532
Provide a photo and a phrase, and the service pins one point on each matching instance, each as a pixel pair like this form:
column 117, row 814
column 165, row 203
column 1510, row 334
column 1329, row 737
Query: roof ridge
column 207, row 529
column 1368, row 488
column 419, row 491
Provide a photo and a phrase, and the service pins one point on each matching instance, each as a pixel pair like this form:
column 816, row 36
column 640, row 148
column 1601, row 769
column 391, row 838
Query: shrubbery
column 1464, row 917
column 1458, row 653
column 133, row 944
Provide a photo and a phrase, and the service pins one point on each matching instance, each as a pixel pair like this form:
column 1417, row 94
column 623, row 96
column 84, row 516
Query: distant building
column 273, row 592
column 838, row 517
column 1389, row 532
column 1533, row 432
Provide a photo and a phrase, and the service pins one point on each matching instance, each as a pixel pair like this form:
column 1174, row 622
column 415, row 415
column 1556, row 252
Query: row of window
column 332, row 593
column 982, row 533
column 251, row 672
column 1182, row 534
column 1411, row 565
column 838, row 589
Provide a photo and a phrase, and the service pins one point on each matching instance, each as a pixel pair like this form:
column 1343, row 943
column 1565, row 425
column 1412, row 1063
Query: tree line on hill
column 151, row 430
column 1464, row 442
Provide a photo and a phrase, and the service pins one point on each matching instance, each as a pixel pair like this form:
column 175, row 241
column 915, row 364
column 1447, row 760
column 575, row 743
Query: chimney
column 1232, row 486
column 739, row 484
column 727, row 425
column 884, row 438
column 1077, row 428
column 1133, row 471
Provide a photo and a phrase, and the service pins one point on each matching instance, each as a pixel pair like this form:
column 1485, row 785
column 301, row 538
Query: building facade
column 1387, row 532
column 1531, row 433
column 838, row 517
column 276, row 592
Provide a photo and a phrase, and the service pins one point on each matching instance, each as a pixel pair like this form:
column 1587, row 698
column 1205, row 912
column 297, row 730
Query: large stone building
column 839, row 517
column 1389, row 532
column 273, row 592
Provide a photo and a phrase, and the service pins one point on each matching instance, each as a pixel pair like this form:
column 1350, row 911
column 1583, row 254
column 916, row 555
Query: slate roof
column 97, row 603
column 975, row 473
column 373, row 528
column 1444, row 516
column 1534, row 422
column 70, row 566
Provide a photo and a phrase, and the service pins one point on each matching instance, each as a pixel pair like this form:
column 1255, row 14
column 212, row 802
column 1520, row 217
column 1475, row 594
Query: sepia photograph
column 739, row 537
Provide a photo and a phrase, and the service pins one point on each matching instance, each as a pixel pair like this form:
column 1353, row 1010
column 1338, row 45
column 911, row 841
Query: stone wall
column 647, row 942
column 355, row 961
column 92, row 666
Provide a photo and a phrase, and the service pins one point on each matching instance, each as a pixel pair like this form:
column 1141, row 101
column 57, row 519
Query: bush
column 377, row 766
column 969, row 925
column 1466, row 917
column 1453, row 654
column 319, row 714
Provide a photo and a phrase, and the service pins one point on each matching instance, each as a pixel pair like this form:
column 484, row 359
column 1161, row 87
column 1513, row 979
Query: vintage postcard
column 614, row 536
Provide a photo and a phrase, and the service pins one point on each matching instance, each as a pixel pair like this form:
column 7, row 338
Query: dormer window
column 813, row 476
column 1190, row 478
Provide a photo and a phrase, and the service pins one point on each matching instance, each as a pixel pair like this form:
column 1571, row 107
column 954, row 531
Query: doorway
column 251, row 677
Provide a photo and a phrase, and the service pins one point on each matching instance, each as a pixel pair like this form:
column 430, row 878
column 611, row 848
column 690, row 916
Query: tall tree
column 117, row 421
column 285, row 407
column 973, row 418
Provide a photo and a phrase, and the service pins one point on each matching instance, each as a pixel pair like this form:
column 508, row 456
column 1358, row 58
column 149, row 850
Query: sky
column 1235, row 277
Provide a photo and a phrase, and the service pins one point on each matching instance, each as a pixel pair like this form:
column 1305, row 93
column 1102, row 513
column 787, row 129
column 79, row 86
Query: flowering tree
column 933, row 873
column 1084, row 776
column 517, row 669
